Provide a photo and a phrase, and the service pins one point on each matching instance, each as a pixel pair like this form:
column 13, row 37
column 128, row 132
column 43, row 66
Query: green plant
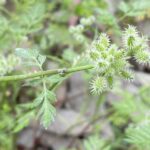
column 139, row 135
column 107, row 62
column 67, row 33
column 135, row 8
column 130, row 117
column 95, row 143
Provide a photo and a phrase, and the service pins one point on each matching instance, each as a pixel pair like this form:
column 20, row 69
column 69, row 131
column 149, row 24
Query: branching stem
column 45, row 73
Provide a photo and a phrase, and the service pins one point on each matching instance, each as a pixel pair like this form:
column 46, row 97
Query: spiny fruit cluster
column 136, row 45
column 110, row 61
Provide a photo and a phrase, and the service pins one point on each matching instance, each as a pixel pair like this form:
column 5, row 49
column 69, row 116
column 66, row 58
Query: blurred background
column 82, row 119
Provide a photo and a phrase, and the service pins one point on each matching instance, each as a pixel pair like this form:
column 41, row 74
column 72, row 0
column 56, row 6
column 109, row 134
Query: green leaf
column 46, row 113
column 124, row 7
column 55, row 78
column 51, row 95
column 69, row 55
column 26, row 53
column 41, row 59
column 95, row 143
column 23, row 121
column 139, row 135
column 33, row 104
column 22, row 53
column 32, row 57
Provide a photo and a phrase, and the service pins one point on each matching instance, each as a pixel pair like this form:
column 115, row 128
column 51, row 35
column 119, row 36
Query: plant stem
column 58, row 60
column 45, row 73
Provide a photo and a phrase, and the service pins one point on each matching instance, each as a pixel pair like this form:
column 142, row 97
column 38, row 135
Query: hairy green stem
column 45, row 73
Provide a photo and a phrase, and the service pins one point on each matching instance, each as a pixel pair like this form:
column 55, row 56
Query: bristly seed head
column 98, row 85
